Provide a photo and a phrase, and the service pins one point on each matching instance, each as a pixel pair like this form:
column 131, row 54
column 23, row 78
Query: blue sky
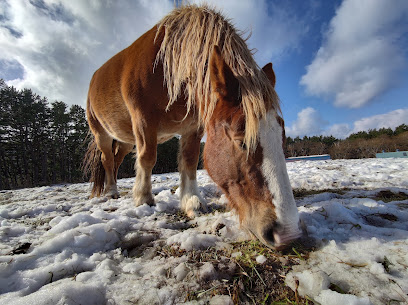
column 341, row 65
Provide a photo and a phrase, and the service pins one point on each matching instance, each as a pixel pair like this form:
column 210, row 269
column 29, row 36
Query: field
column 57, row 246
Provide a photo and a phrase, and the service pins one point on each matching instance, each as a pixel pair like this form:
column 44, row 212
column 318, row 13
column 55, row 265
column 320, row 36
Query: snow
column 221, row 300
column 106, row 251
column 207, row 272
column 329, row 297
column 193, row 240
column 180, row 272
column 260, row 259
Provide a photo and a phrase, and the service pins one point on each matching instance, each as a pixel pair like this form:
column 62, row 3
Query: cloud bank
column 54, row 46
column 361, row 55
column 387, row 120
column 309, row 123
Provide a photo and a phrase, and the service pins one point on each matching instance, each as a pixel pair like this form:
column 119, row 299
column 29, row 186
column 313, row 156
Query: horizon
column 341, row 66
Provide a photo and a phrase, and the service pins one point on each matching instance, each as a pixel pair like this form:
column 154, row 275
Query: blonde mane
column 190, row 34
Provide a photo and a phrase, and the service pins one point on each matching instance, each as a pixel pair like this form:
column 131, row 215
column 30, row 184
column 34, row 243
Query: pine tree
column 59, row 135
column 77, row 142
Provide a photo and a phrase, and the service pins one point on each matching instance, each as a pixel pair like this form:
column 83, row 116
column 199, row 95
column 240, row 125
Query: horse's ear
column 268, row 70
column 223, row 81
column 282, row 124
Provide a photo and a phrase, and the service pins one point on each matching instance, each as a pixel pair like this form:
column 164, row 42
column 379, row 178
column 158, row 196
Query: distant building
column 308, row 158
column 395, row 154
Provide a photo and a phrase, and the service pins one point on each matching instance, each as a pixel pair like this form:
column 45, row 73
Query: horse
column 191, row 74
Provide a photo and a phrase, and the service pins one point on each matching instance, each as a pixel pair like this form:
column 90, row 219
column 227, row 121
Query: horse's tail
column 92, row 166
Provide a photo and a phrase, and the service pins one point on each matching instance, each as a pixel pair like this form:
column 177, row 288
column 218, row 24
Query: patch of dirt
column 5, row 197
column 388, row 196
column 302, row 193
column 380, row 219
column 137, row 244
column 21, row 249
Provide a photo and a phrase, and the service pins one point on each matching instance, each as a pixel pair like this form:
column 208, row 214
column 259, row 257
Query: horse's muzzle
column 280, row 237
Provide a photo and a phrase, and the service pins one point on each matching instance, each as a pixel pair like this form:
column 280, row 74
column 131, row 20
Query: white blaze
column 276, row 175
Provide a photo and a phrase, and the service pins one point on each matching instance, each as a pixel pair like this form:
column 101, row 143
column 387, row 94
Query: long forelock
column 190, row 34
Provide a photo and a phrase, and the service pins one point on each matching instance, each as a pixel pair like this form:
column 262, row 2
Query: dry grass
column 239, row 275
column 385, row 195
column 301, row 193
column 388, row 196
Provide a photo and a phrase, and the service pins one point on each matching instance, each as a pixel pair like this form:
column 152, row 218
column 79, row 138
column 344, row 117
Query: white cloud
column 308, row 122
column 360, row 57
column 59, row 44
column 339, row 131
column 275, row 29
column 387, row 120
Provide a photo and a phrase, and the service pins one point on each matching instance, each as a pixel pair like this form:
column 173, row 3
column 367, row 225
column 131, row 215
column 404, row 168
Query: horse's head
column 255, row 182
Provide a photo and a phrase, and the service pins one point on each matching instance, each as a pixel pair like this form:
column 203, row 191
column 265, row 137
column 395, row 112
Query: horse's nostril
column 269, row 234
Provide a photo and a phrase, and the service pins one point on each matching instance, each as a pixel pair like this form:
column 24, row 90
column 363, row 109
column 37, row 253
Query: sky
column 341, row 66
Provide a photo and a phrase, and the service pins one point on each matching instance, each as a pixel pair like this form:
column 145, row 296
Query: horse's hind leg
column 120, row 151
column 189, row 154
column 105, row 144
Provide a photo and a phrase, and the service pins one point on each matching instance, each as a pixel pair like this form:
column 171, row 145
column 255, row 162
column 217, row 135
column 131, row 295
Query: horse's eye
column 241, row 144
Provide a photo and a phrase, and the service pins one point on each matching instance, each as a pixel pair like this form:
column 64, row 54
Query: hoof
column 194, row 206
column 192, row 214
column 115, row 196
column 112, row 194
column 140, row 200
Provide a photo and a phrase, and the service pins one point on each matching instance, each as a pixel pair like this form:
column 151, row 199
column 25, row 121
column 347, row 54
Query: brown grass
column 388, row 196
column 247, row 282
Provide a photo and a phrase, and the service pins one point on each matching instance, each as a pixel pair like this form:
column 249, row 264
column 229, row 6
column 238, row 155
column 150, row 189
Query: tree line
column 40, row 143
column 363, row 144
column 44, row 143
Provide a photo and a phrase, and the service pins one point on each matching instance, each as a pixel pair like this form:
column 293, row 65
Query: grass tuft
column 388, row 196
column 240, row 276
column 302, row 193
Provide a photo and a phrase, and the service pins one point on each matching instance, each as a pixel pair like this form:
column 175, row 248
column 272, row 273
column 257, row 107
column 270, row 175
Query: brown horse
column 190, row 74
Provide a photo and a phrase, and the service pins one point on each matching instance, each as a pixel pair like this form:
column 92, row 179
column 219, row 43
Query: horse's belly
column 125, row 137
column 161, row 138
column 170, row 127
column 120, row 130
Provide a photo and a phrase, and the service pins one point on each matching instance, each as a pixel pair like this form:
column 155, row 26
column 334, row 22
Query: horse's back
column 129, row 90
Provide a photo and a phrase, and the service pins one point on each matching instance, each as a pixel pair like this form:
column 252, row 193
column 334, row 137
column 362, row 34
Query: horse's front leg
column 189, row 153
column 146, row 145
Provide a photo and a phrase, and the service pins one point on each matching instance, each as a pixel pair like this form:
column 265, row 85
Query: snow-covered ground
column 59, row 247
